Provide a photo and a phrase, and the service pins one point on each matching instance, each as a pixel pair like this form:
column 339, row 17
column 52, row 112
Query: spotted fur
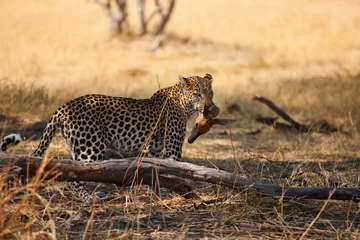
column 11, row 139
column 156, row 126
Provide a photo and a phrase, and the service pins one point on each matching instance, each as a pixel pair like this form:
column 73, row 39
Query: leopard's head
column 196, row 93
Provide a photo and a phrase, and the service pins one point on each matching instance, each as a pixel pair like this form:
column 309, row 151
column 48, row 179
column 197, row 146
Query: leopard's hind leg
column 86, row 146
column 87, row 143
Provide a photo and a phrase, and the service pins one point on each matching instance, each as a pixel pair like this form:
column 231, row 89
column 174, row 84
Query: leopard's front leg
column 174, row 139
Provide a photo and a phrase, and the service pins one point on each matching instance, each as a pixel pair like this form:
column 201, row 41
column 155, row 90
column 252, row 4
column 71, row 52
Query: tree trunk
column 165, row 17
column 140, row 17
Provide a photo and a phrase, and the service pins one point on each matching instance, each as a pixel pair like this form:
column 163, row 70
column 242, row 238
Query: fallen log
column 170, row 175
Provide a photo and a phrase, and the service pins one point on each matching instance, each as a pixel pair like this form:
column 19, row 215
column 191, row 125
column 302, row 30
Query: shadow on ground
column 31, row 132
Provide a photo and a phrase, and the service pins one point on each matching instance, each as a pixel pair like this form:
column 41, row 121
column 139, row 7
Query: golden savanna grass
column 304, row 55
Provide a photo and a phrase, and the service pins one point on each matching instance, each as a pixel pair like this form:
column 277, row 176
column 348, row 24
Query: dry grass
column 304, row 55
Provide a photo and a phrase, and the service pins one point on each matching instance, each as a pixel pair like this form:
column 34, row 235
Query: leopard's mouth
column 213, row 111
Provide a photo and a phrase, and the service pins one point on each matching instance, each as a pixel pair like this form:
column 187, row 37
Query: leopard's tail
column 11, row 139
column 48, row 134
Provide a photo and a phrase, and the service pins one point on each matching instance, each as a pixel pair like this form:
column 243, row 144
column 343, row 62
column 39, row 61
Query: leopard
column 154, row 127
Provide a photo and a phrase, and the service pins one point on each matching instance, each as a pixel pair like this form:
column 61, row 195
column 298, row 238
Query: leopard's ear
column 184, row 82
column 209, row 77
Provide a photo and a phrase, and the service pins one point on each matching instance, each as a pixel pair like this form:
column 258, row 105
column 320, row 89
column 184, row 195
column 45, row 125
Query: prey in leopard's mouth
column 206, row 120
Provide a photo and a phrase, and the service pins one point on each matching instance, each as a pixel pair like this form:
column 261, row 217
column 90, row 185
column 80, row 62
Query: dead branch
column 117, row 19
column 158, row 10
column 157, row 42
column 282, row 114
column 319, row 126
column 165, row 16
column 171, row 174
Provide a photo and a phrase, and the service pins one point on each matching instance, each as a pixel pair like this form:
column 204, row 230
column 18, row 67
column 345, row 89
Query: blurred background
column 303, row 54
